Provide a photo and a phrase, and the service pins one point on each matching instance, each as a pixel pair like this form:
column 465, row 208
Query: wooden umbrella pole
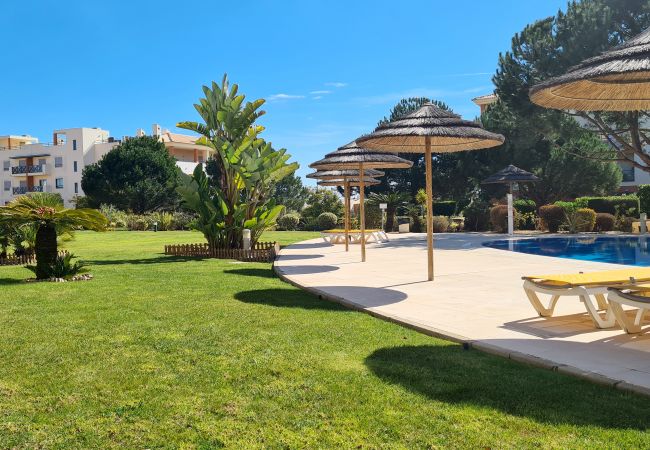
column 429, row 212
column 346, row 220
column 362, row 213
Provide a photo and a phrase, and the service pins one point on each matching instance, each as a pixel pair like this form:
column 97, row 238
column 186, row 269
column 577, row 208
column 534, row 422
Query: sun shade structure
column 340, row 174
column 510, row 175
column 615, row 80
column 429, row 129
column 347, row 182
column 353, row 156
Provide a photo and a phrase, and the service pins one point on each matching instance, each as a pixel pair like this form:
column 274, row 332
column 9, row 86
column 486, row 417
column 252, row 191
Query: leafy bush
column 605, row 222
column 444, row 208
column 525, row 221
column 625, row 204
column 63, row 267
column 551, row 216
column 644, row 198
column 440, row 224
column 585, row 219
column 183, row 220
column 163, row 219
column 327, row 221
column 373, row 216
column 568, row 207
column 499, row 218
column 477, row 216
column 525, row 206
column 623, row 223
column 289, row 222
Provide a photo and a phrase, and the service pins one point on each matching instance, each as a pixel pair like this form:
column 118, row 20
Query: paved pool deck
column 476, row 298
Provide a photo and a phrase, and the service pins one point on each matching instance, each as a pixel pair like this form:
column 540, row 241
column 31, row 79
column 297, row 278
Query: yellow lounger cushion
column 601, row 278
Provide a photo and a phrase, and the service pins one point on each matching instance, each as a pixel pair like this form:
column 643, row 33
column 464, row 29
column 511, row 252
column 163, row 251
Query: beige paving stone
column 476, row 296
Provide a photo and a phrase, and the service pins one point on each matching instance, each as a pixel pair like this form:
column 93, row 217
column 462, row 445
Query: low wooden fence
column 262, row 252
column 22, row 260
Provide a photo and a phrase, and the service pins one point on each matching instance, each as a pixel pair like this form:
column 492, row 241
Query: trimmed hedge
column 605, row 222
column 644, row 198
column 552, row 216
column 586, row 219
column 627, row 205
column 444, row 208
column 525, row 206
column 499, row 218
column 327, row 221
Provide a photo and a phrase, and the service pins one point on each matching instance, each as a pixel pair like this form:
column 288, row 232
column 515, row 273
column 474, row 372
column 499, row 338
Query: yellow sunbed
column 584, row 286
column 637, row 297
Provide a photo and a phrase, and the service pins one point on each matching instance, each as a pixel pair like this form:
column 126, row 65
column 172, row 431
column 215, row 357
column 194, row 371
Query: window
column 76, row 188
column 74, row 144
column 5, row 165
column 59, row 183
column 58, row 161
column 7, row 185
column 74, row 166
column 41, row 162
column 628, row 172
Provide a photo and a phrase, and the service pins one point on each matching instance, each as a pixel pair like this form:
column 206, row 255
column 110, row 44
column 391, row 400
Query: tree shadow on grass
column 250, row 272
column 156, row 260
column 452, row 375
column 287, row 298
column 10, row 281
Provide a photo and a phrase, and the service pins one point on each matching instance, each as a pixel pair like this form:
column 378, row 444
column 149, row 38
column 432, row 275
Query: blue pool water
column 618, row 250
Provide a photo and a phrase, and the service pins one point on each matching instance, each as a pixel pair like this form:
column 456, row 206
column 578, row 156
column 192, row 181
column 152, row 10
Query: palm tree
column 47, row 213
column 393, row 201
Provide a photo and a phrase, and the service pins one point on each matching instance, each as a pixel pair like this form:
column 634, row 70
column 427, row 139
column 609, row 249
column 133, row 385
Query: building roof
column 178, row 138
column 487, row 99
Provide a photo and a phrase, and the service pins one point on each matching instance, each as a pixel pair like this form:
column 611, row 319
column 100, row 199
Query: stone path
column 477, row 297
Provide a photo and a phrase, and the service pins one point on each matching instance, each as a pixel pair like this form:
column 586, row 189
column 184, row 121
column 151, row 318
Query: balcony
column 22, row 190
column 38, row 169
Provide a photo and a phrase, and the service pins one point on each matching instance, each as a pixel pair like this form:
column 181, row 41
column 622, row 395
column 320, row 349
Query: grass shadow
column 263, row 273
column 456, row 376
column 156, row 260
column 287, row 298
column 11, row 281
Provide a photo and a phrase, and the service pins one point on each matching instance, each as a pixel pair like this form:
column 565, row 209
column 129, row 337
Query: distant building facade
column 633, row 177
column 31, row 166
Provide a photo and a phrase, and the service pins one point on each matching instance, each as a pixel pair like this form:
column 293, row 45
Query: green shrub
column 289, row 222
column 551, row 217
column 568, row 207
column 624, row 223
column 499, row 218
column 373, row 216
column 525, row 206
column 440, row 224
column 586, row 219
column 644, row 198
column 327, row 221
column 444, row 208
column 63, row 267
column 163, row 220
column 477, row 216
column 182, row 220
column 625, row 204
column 605, row 222
column 525, row 221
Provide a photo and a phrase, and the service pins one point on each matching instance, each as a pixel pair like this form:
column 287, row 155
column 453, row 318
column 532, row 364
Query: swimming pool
column 629, row 250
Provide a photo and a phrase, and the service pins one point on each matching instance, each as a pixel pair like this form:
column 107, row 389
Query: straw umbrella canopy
column 340, row 174
column 615, row 80
column 352, row 156
column 427, row 130
column 511, row 175
column 367, row 181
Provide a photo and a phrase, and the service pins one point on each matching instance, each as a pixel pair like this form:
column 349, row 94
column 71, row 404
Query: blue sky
column 329, row 69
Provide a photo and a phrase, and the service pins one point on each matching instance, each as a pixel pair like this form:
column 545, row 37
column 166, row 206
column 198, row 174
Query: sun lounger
column 585, row 286
column 338, row 236
column 637, row 297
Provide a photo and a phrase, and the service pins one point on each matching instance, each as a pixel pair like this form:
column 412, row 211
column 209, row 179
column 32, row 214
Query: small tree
column 47, row 212
column 320, row 201
column 138, row 175
column 393, row 201
column 291, row 193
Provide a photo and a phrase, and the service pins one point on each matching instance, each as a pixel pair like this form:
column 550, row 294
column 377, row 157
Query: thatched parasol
column 347, row 182
column 352, row 156
column 339, row 174
column 430, row 129
column 511, row 175
column 615, row 80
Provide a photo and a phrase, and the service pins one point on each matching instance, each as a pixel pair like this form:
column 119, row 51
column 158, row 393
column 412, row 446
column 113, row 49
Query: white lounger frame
column 355, row 237
column 616, row 302
column 585, row 293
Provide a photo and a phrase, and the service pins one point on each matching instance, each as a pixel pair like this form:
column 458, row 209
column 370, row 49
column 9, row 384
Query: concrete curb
column 467, row 343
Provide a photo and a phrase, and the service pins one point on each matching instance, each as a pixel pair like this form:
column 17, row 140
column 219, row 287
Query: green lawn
column 166, row 352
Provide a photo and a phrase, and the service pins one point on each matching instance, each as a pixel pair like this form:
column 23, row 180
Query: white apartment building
column 633, row 177
column 30, row 166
